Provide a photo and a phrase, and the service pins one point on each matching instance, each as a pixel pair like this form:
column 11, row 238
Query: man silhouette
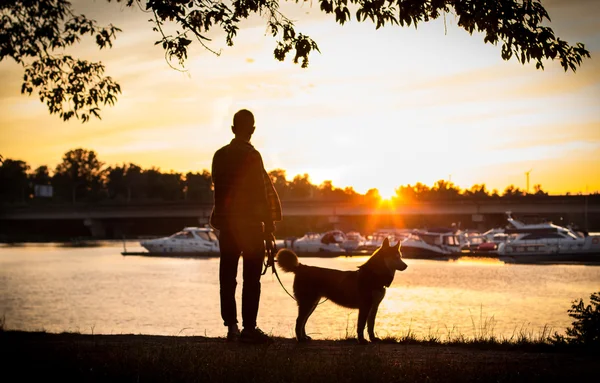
column 246, row 206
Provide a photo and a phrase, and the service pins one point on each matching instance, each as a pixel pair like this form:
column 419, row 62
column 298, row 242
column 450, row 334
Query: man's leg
column 228, row 265
column 253, row 257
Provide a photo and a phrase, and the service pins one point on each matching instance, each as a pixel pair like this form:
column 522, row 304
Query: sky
column 375, row 109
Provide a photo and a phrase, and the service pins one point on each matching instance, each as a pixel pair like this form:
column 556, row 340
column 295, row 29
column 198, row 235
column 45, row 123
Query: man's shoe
column 255, row 335
column 233, row 334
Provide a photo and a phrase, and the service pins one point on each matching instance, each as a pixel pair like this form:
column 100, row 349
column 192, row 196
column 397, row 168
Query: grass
column 439, row 356
column 448, row 356
column 142, row 358
column 483, row 337
column 522, row 341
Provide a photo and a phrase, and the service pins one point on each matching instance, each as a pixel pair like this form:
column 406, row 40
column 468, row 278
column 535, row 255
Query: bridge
column 304, row 208
column 306, row 214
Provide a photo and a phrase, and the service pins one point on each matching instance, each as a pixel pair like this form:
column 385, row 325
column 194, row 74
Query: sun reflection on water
column 484, row 261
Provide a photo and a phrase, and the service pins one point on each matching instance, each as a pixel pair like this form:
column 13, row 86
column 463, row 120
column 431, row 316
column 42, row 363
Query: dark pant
column 248, row 242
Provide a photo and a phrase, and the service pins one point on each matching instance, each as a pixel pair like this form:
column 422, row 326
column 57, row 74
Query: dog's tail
column 287, row 260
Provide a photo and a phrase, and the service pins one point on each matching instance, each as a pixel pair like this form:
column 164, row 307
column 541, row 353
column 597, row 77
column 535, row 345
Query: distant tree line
column 82, row 178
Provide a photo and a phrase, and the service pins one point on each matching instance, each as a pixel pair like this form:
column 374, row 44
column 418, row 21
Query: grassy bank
column 142, row 358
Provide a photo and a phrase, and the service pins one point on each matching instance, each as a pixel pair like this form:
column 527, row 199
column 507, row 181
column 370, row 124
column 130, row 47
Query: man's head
column 243, row 124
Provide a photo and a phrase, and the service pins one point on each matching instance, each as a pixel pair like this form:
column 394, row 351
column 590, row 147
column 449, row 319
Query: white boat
column 546, row 241
column 374, row 241
column 353, row 241
column 328, row 242
column 494, row 234
column 189, row 240
column 430, row 245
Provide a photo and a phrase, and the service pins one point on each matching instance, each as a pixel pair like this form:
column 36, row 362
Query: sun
column 387, row 192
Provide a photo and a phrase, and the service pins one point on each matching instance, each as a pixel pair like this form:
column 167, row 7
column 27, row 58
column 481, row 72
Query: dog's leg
column 305, row 308
column 363, row 313
column 308, row 316
column 377, row 298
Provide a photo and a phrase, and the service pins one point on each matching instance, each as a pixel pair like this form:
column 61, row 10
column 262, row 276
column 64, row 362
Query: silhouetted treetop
column 517, row 24
column 80, row 173
column 34, row 32
column 13, row 180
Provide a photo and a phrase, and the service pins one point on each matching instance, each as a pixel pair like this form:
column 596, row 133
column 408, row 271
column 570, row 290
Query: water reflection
column 97, row 290
column 487, row 261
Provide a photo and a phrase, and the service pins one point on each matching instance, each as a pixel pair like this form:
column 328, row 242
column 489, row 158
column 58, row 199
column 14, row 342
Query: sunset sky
column 377, row 108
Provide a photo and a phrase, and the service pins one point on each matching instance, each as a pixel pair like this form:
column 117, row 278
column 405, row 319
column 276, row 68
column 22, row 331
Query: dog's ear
column 397, row 246
column 386, row 243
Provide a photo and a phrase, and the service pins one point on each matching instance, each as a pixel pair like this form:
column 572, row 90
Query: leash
column 271, row 250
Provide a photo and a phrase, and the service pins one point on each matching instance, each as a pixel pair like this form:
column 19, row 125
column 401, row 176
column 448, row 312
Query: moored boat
column 353, row 241
column 325, row 244
column 374, row 241
column 547, row 242
column 189, row 241
column 430, row 245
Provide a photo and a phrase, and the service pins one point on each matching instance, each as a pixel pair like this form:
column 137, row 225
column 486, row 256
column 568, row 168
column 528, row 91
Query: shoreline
column 581, row 259
column 593, row 259
column 71, row 356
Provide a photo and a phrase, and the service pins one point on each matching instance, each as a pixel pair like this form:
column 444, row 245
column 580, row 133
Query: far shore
column 39, row 356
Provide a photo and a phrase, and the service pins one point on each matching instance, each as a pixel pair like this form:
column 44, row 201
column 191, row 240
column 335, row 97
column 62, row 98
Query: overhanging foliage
column 34, row 32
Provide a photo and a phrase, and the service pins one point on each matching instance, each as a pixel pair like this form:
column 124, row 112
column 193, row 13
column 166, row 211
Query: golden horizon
column 385, row 193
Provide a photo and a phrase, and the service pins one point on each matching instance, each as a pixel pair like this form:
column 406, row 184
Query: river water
column 97, row 290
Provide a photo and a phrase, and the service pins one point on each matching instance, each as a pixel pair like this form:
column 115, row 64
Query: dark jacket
column 243, row 191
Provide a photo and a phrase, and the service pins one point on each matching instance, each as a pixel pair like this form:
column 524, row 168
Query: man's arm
column 273, row 202
column 257, row 185
column 213, row 221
